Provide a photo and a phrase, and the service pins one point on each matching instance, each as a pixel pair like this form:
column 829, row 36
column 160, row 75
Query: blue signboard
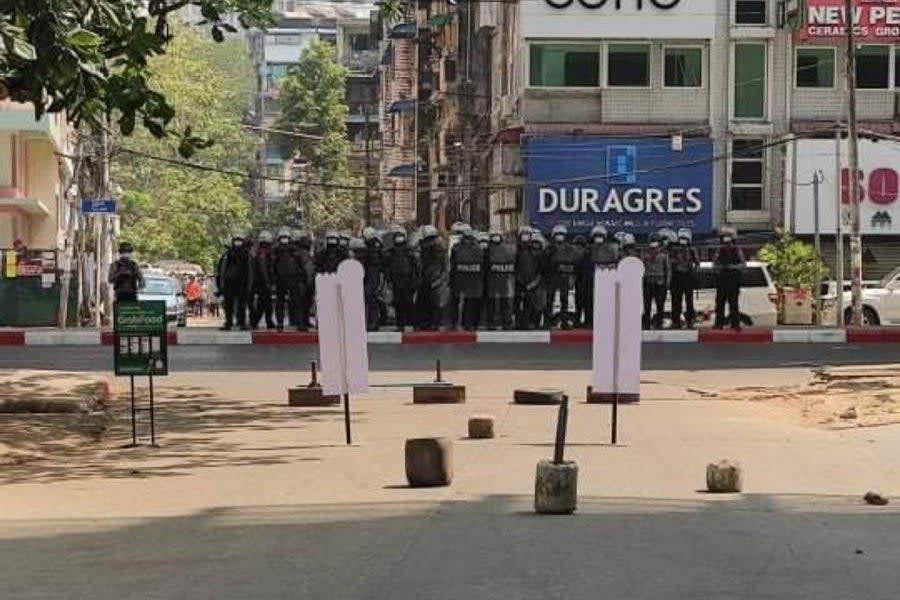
column 106, row 206
column 631, row 184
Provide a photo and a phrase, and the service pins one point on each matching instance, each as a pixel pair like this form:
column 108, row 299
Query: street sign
column 98, row 206
column 140, row 338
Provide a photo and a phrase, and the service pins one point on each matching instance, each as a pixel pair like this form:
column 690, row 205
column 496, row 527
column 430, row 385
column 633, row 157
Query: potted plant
column 796, row 268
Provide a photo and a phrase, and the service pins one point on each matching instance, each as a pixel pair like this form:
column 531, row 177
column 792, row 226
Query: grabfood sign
column 636, row 185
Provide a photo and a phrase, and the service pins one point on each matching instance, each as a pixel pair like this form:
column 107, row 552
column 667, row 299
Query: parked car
column 881, row 300
column 158, row 287
column 759, row 297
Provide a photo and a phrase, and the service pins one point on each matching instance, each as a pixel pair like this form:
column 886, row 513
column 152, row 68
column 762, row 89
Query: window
column 628, row 65
column 873, row 67
column 747, row 174
column 284, row 39
column 749, row 81
column 750, row 12
column 565, row 66
column 683, row 67
column 815, row 67
column 286, row 6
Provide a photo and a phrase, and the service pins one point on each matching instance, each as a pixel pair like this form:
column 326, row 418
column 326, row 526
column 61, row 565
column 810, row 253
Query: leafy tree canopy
column 89, row 58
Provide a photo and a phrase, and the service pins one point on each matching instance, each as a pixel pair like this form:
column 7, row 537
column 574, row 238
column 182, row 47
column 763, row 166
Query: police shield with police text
column 467, row 277
column 501, row 281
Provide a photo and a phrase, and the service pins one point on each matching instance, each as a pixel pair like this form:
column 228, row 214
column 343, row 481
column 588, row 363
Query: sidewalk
column 213, row 336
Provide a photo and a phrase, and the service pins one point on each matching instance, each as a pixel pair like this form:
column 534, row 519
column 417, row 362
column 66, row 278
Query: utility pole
column 853, row 139
column 838, row 231
column 369, row 179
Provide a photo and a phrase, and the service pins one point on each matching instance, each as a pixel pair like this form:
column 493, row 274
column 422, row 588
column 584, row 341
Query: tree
column 313, row 101
column 89, row 59
column 171, row 210
column 792, row 262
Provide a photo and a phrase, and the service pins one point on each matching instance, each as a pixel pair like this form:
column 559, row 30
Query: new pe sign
column 873, row 20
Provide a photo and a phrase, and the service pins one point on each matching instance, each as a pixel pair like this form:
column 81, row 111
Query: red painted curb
column 873, row 335
column 571, row 336
column 270, row 338
column 729, row 336
column 12, row 338
column 439, row 337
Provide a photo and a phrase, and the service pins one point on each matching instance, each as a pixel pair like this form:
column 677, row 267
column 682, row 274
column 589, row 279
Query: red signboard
column 873, row 21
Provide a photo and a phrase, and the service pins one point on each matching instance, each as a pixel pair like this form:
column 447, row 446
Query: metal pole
column 438, row 375
column 855, row 235
column 152, row 413
column 838, row 232
column 559, row 447
column 347, row 418
column 817, row 291
column 133, row 415
column 615, row 373
column 345, row 386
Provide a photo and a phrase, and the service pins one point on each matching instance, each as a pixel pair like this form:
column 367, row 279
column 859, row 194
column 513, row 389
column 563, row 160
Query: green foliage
column 793, row 263
column 171, row 211
column 313, row 101
column 89, row 59
column 392, row 11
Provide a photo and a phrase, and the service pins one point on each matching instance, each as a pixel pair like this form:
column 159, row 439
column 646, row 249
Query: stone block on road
column 538, row 396
column 311, row 396
column 481, row 427
column 429, row 462
column 724, row 477
column 556, row 488
column 439, row 394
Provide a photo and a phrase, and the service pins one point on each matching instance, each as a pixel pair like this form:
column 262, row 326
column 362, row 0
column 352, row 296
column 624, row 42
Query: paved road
column 466, row 357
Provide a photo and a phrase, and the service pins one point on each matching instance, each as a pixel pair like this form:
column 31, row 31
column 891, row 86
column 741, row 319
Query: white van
column 758, row 302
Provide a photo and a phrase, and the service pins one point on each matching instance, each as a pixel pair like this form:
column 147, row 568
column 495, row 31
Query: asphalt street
column 466, row 357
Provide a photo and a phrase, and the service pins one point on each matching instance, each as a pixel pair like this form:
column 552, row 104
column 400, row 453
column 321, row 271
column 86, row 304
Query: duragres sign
column 632, row 184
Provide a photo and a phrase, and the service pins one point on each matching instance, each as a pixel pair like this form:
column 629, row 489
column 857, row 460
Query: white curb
column 195, row 337
column 675, row 336
column 513, row 337
column 385, row 337
column 63, row 337
column 807, row 336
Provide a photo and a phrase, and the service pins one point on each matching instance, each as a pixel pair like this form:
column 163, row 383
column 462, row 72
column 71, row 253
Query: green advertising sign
column 140, row 343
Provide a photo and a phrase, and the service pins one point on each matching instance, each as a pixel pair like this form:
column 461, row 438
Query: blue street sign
column 105, row 206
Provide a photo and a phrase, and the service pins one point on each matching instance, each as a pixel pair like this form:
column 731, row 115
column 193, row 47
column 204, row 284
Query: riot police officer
column 261, row 296
column 235, row 280
column 501, row 281
column 531, row 290
column 332, row 254
column 629, row 246
column 601, row 253
column 562, row 261
column 583, row 283
column 302, row 242
column 403, row 273
column 434, row 293
column 728, row 266
column 657, row 275
column 685, row 261
column 467, row 278
column 373, row 281
column 286, row 274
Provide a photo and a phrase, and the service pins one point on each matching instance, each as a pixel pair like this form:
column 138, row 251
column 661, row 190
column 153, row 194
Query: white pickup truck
column 881, row 300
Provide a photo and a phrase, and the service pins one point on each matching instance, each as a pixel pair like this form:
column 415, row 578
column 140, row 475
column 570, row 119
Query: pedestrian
column 657, row 276
column 125, row 275
column 261, row 296
column 562, row 262
column 467, row 277
column 403, row 272
column 729, row 267
column 434, row 291
column 194, row 295
column 501, row 281
column 685, row 262
column 211, row 297
column 235, row 281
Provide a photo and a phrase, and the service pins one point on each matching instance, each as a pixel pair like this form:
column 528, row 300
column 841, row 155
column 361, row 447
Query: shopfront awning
column 403, row 31
column 403, row 106
column 406, row 171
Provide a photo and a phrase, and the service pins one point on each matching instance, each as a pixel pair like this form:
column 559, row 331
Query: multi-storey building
column 298, row 23
column 647, row 113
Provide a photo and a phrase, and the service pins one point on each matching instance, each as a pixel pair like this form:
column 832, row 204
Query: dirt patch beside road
column 836, row 398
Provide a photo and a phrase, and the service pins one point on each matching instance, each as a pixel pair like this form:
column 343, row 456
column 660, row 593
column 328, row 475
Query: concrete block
column 429, row 462
column 481, row 427
column 311, row 396
column 439, row 394
column 600, row 398
column 538, row 396
column 556, row 488
column 724, row 477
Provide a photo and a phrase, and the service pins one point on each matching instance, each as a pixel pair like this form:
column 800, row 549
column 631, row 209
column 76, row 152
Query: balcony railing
column 361, row 61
